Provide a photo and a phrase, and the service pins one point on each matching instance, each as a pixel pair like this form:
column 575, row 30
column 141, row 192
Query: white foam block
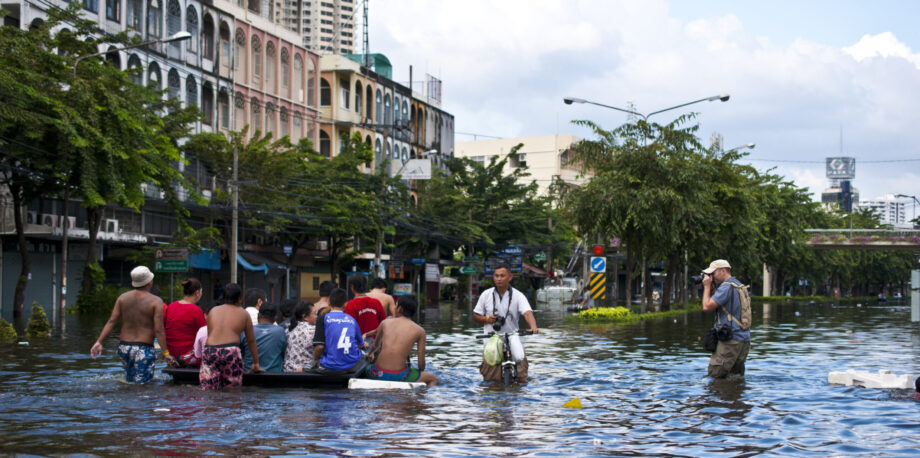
column 883, row 379
column 368, row 384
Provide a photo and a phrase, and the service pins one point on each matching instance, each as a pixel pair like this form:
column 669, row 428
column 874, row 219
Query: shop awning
column 255, row 262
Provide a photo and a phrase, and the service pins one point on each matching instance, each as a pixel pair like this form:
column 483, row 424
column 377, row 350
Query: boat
column 557, row 296
column 189, row 376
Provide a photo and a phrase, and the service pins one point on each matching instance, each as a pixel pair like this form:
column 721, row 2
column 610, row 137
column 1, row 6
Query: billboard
column 841, row 168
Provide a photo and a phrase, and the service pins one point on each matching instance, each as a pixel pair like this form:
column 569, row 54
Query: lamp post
column 178, row 36
column 915, row 202
column 739, row 148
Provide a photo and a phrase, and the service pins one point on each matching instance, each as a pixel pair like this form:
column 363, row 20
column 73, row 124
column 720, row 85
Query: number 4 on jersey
column 344, row 341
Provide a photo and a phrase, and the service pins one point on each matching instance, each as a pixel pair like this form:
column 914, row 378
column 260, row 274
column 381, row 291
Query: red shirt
column 367, row 311
column 182, row 322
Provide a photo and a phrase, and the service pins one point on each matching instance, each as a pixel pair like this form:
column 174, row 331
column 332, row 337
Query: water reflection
column 643, row 388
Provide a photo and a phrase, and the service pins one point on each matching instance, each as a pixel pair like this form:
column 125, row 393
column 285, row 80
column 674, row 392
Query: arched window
column 325, row 93
column 256, row 61
column 134, row 63
column 369, row 103
column 283, row 122
column 270, row 68
column 405, row 113
column 270, row 119
column 113, row 58
column 297, row 131
column 359, row 91
column 298, row 78
column 285, row 73
column 191, row 91
column 377, row 158
column 388, row 149
column 223, row 108
column 325, row 146
column 207, row 104
column 396, row 111
column 345, row 96
column 379, row 108
column 173, row 26
column 172, row 84
column 239, row 56
column 154, row 18
column 191, row 26
column 135, row 14
column 239, row 113
column 207, row 37
column 405, row 154
column 223, row 56
column 311, row 83
column 255, row 117
column 153, row 76
column 387, row 110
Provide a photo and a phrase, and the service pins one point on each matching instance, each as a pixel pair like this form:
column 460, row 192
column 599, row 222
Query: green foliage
column 95, row 298
column 624, row 315
column 101, row 300
column 39, row 326
column 7, row 332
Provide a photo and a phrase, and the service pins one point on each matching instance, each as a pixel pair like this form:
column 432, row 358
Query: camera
column 697, row 279
column 499, row 322
column 724, row 333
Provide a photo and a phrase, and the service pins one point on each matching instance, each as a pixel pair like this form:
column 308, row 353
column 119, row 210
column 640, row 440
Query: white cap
column 717, row 264
column 140, row 276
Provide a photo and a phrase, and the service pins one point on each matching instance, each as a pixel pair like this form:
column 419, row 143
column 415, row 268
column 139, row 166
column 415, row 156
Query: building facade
column 888, row 210
column 325, row 27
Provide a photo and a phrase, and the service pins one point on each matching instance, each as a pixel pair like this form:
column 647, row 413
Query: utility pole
column 66, row 226
column 234, row 229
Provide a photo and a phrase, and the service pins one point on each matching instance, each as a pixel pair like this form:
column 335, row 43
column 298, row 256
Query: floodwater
column 643, row 388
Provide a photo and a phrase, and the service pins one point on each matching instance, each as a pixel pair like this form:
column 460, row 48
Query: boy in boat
column 141, row 315
column 395, row 338
column 337, row 342
column 379, row 291
column 222, row 360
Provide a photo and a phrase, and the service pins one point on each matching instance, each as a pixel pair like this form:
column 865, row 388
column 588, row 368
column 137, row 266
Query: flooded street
column 643, row 388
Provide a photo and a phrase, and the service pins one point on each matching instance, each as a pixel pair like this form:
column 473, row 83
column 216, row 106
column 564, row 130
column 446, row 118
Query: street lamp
column 178, row 36
column 739, row 148
column 720, row 97
column 915, row 202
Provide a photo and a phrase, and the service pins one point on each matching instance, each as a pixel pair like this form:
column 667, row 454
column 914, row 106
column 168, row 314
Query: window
column 325, row 146
column 172, row 84
column 311, row 83
column 135, row 13
column 379, row 107
column 285, row 73
column 191, row 91
column 153, row 76
column 518, row 160
column 270, row 67
column 224, row 51
column 345, row 89
column 368, row 102
column 297, row 132
column 283, row 122
column 238, row 58
column 91, row 5
column 396, row 111
column 173, row 26
column 223, row 109
column 154, row 21
column 191, row 25
column 387, row 112
column 325, row 93
column 255, row 119
column 239, row 103
column 207, row 38
column 315, row 283
column 270, row 119
column 207, row 105
column 358, row 91
column 298, row 78
column 256, row 61
column 112, row 10
column 134, row 64
column 253, row 5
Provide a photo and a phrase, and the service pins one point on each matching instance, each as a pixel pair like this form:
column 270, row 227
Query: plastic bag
column 517, row 349
column 493, row 350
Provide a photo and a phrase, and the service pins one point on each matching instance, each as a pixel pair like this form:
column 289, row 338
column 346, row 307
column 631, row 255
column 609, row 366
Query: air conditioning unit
column 206, row 193
column 71, row 222
column 111, row 225
column 50, row 220
column 32, row 217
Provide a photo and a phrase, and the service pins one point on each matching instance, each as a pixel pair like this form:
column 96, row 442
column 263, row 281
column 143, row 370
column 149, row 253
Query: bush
column 102, row 299
column 38, row 326
column 7, row 332
column 623, row 315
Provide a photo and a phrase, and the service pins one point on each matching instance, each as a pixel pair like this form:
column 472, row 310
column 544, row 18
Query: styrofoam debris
column 883, row 379
column 368, row 384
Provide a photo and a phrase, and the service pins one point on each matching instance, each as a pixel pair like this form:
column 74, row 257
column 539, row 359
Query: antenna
column 366, row 37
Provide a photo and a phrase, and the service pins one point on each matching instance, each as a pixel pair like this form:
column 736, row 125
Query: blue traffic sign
column 598, row 264
column 418, row 261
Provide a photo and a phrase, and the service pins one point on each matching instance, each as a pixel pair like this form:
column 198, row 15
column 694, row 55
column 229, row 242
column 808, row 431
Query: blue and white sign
column 418, row 261
column 598, row 264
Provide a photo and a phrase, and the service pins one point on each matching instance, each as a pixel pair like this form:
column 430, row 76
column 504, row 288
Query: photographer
column 499, row 309
column 734, row 342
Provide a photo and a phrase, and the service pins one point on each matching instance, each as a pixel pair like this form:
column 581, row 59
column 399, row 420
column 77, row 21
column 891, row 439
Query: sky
column 808, row 80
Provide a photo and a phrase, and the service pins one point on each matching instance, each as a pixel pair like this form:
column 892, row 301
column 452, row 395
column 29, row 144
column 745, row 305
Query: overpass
column 864, row 239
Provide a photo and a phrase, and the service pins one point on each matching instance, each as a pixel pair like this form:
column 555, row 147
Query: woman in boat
column 300, row 331
column 182, row 320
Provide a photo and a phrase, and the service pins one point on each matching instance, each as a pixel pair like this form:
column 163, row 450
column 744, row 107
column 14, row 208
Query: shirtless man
column 379, row 291
column 395, row 338
column 221, row 360
column 322, row 305
column 141, row 315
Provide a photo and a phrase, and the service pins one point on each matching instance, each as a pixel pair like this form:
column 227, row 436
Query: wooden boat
column 189, row 376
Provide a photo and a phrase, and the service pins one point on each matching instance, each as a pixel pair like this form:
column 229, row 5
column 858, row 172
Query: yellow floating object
column 572, row 404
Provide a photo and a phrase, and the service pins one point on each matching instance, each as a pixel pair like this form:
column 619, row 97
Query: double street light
column 720, row 97
column 915, row 201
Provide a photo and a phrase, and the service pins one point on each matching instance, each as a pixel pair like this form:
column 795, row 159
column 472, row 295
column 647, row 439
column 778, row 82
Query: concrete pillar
column 915, row 295
column 766, row 280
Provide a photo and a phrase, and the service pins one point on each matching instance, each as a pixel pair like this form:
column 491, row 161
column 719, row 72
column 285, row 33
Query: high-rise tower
column 326, row 26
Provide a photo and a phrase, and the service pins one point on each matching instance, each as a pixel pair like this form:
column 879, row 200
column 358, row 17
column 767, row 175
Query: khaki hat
column 717, row 264
column 140, row 276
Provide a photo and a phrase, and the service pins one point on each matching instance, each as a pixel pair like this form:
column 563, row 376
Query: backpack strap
column 730, row 316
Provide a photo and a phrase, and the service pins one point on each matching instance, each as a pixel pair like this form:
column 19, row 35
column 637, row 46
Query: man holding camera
column 734, row 342
column 499, row 309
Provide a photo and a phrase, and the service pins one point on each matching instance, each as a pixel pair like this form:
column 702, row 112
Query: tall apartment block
column 326, row 26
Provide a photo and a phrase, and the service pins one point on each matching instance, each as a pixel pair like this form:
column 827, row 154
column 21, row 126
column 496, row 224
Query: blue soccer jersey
column 341, row 337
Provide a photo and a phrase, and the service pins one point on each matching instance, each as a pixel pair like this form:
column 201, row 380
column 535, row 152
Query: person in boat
column 499, row 309
column 253, row 301
column 337, row 342
column 731, row 354
column 390, row 352
column 300, row 331
column 284, row 312
column 141, row 316
column 379, row 291
column 322, row 305
column 182, row 320
column 201, row 337
column 367, row 311
column 270, row 340
column 222, row 359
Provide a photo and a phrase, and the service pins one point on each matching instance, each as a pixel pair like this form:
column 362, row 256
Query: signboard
column 432, row 274
column 471, row 259
column 417, row 169
column 467, row 270
column 598, row 286
column 288, row 250
column 402, row 289
column 511, row 255
column 170, row 259
column 598, row 264
column 539, row 257
column 396, row 269
column 841, row 168
column 418, row 261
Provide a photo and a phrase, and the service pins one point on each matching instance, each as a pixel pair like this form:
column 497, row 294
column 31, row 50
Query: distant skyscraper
column 888, row 210
column 326, row 26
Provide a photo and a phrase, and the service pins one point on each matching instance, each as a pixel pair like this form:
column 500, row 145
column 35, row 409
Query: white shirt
column 254, row 314
column 486, row 306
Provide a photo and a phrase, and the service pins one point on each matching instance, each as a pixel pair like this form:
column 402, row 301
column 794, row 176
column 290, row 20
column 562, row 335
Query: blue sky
column 798, row 73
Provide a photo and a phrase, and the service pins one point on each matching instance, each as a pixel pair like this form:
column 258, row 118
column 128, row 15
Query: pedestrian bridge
column 864, row 239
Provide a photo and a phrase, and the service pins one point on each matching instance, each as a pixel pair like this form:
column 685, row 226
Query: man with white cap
column 141, row 315
column 731, row 353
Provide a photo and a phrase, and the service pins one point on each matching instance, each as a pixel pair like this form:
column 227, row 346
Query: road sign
column 598, row 286
column 467, row 270
column 471, row 259
column 170, row 259
column 170, row 266
column 418, row 261
column 598, row 264
column 539, row 257
column 288, row 250
column 432, row 274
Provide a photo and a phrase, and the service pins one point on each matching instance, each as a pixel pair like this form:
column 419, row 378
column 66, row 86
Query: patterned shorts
column 221, row 365
column 409, row 374
column 138, row 358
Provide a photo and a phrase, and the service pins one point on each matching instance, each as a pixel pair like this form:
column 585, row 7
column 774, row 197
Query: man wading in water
column 141, row 315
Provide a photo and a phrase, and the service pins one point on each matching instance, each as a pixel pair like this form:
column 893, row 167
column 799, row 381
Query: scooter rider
column 499, row 309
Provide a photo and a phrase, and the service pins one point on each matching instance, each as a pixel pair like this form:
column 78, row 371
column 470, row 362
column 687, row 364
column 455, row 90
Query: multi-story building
column 325, row 26
column 888, row 210
column 548, row 158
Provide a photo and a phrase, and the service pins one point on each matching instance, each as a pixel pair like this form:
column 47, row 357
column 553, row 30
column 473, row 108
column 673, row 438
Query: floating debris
column 574, row 403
